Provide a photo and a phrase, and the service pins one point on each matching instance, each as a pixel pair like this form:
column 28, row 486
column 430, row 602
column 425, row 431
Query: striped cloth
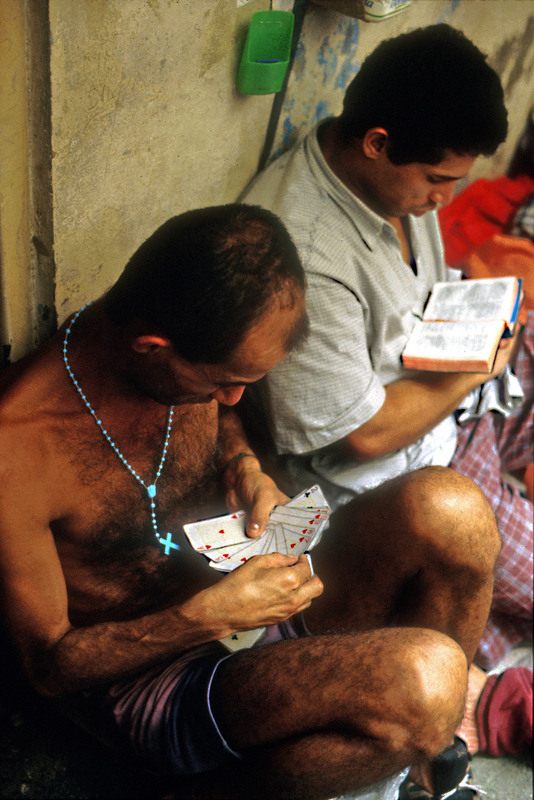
column 488, row 447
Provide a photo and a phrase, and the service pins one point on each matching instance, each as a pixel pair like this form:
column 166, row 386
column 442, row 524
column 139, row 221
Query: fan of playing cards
column 292, row 528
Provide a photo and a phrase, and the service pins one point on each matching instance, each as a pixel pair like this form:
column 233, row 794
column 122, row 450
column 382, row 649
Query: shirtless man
column 112, row 435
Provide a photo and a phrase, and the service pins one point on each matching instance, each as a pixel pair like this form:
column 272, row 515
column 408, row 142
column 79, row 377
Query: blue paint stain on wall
column 289, row 133
column 299, row 64
column 336, row 63
column 321, row 111
column 450, row 11
column 321, row 57
column 350, row 40
column 346, row 74
column 330, row 71
column 349, row 43
column 327, row 60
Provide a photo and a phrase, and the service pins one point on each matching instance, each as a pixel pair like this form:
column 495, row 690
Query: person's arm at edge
column 60, row 657
column 414, row 405
column 242, row 477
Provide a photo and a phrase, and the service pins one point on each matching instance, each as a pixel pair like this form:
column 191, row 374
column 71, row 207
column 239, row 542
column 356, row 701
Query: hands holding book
column 443, row 370
column 463, row 324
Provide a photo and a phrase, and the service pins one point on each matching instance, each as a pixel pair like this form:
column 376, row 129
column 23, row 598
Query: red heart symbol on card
column 243, row 559
column 208, row 546
column 222, row 530
column 293, row 545
column 234, row 516
column 226, row 555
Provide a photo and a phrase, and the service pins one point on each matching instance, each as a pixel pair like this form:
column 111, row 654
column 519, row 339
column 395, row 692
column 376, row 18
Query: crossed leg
column 417, row 551
column 381, row 684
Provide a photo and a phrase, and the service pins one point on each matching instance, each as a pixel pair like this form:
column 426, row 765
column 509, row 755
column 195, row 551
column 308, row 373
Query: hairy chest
column 107, row 511
column 104, row 534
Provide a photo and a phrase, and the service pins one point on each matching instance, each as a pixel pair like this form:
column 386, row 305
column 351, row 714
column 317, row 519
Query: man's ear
column 375, row 142
column 149, row 343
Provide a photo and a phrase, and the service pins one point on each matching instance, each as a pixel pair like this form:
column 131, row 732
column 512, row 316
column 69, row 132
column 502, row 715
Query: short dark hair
column 432, row 90
column 205, row 277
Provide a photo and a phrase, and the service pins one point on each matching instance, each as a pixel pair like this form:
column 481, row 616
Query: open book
column 462, row 325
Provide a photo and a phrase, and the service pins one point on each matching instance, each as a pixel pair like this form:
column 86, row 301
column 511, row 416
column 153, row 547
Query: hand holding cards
column 293, row 528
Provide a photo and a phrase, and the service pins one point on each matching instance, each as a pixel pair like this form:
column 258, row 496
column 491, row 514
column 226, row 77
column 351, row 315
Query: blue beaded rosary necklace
column 151, row 488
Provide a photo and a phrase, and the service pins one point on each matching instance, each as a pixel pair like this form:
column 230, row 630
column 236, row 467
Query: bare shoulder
column 30, row 411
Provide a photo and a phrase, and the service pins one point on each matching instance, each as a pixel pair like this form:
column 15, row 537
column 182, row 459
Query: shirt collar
column 370, row 225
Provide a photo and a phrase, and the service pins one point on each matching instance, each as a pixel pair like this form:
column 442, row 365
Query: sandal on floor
column 451, row 778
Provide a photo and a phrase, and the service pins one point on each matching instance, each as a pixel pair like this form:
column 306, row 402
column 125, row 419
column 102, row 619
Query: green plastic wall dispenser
column 266, row 54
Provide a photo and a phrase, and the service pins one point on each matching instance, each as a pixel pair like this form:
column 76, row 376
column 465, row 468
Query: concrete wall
column 333, row 46
column 27, row 302
column 147, row 122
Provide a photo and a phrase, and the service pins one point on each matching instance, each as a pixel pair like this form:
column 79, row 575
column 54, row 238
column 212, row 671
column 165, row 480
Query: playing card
column 225, row 531
column 309, row 517
column 292, row 528
column 278, row 541
column 226, row 554
column 238, row 556
column 309, row 498
column 301, row 512
column 267, row 542
column 238, row 641
column 295, row 531
column 297, row 542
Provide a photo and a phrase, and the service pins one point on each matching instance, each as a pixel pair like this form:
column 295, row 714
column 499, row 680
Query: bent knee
column 452, row 513
column 433, row 673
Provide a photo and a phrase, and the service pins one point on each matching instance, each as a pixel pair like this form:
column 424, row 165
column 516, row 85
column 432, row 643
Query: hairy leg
column 324, row 715
column 418, row 551
column 402, row 565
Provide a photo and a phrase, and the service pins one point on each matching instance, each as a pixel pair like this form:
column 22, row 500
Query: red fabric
column 504, row 713
column 528, row 479
column 505, row 255
column 481, row 210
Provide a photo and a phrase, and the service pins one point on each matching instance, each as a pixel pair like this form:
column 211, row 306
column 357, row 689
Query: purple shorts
column 166, row 712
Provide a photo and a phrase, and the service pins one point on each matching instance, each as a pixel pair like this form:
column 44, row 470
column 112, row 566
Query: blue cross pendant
column 167, row 542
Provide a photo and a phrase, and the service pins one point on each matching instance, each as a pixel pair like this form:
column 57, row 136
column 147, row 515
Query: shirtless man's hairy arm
column 244, row 482
column 62, row 654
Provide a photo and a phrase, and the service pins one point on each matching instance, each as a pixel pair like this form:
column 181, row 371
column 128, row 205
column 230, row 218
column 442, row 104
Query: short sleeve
column 326, row 388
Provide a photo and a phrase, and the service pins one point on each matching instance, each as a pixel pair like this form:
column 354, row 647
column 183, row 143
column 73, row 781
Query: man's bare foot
column 421, row 774
column 446, row 776
column 468, row 728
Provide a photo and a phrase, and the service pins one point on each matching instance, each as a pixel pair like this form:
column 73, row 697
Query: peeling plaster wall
column 147, row 123
column 26, row 259
column 333, row 45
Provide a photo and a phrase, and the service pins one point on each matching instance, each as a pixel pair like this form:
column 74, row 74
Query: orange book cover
column 463, row 324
